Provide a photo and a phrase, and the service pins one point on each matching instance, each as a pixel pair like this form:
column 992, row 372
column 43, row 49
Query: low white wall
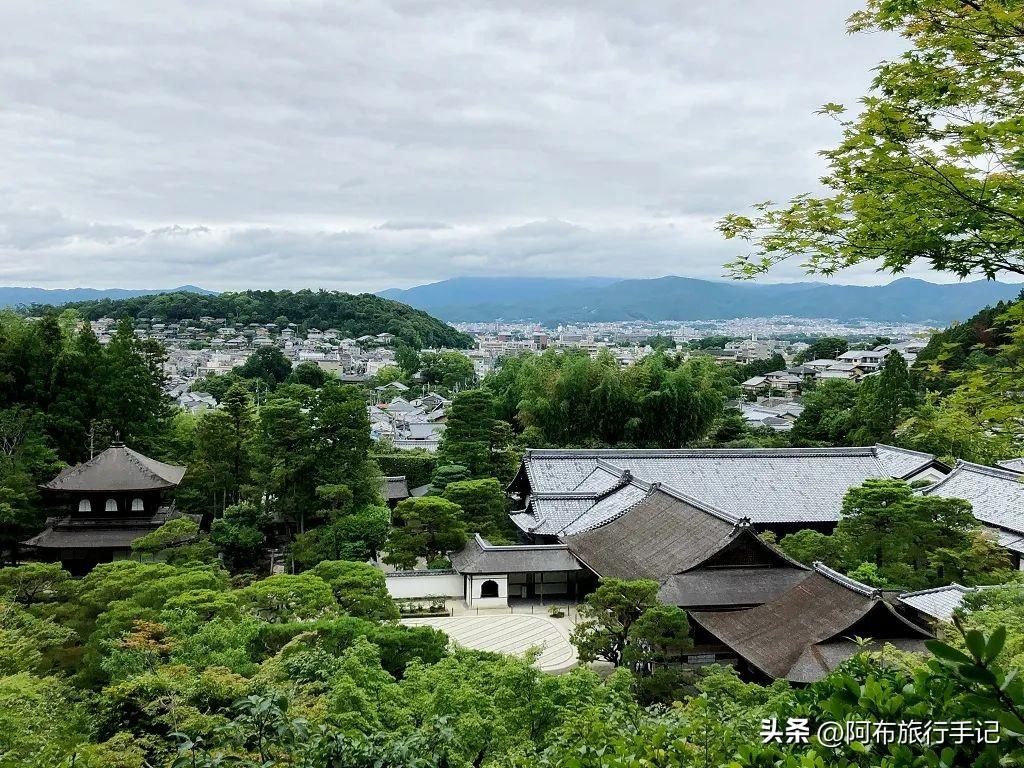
column 425, row 584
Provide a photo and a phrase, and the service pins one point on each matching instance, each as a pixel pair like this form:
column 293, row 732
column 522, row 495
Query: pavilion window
column 111, row 505
column 137, row 505
column 85, row 505
column 489, row 588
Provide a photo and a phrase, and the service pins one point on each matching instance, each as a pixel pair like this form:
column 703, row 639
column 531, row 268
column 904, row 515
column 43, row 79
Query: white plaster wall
column 476, row 584
column 931, row 474
column 425, row 584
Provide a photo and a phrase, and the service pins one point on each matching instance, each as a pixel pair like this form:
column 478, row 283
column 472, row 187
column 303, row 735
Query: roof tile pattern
column 996, row 495
column 118, row 468
column 480, row 556
column 802, row 485
column 938, row 602
column 804, row 633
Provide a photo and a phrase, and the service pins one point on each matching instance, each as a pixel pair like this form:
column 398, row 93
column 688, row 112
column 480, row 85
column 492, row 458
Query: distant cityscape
column 209, row 346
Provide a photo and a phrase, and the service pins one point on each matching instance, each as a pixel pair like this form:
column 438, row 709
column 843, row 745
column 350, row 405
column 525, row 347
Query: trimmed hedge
column 417, row 466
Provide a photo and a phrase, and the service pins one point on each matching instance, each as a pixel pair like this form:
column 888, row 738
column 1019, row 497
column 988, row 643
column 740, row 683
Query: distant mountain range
column 608, row 299
column 555, row 300
column 16, row 297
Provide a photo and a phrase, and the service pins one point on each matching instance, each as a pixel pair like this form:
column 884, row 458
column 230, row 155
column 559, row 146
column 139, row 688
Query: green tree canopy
column 431, row 527
column 483, row 505
column 451, row 370
column 929, row 170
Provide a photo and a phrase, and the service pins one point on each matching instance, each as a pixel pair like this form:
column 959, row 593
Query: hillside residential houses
column 776, row 413
column 851, row 366
column 417, row 423
column 207, row 346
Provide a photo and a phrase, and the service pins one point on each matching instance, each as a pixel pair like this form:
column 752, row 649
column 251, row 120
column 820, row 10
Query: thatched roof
column 807, row 631
column 658, row 536
column 709, row 588
column 667, row 533
column 118, row 468
column 395, row 488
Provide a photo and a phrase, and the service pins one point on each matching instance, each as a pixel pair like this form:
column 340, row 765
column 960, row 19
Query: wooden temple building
column 109, row 501
column 807, row 631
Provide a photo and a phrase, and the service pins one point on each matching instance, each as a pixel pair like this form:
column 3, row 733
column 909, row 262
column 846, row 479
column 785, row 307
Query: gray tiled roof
column 1010, row 540
column 118, row 468
column 608, row 508
column 550, row 513
column 480, row 556
column 765, row 485
column 938, row 602
column 1017, row 465
column 600, row 479
column 996, row 495
column 902, row 462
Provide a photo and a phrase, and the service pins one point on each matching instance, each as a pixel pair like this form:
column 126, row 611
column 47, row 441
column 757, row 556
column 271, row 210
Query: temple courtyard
column 511, row 633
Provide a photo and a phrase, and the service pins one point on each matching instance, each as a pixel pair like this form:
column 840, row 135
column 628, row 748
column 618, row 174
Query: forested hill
column 968, row 342
column 353, row 314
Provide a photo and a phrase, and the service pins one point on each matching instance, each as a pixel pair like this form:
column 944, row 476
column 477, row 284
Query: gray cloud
column 401, row 226
column 365, row 145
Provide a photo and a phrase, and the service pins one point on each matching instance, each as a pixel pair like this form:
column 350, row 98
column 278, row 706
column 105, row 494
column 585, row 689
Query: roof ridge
column 908, row 451
column 933, row 590
column 948, row 476
column 626, row 478
column 486, row 545
column 649, row 491
column 604, row 466
column 984, row 469
column 601, row 453
column 845, row 581
column 704, row 506
column 142, row 465
column 566, row 495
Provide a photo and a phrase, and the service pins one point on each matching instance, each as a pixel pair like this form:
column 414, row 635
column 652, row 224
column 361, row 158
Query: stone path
column 509, row 633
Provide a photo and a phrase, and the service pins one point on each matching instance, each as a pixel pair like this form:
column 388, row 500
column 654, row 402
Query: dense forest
column 179, row 665
column 159, row 664
column 353, row 314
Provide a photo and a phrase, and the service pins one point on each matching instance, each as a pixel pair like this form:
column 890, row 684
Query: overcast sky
column 361, row 145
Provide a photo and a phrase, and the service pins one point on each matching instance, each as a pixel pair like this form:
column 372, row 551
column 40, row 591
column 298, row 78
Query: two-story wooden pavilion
column 111, row 500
